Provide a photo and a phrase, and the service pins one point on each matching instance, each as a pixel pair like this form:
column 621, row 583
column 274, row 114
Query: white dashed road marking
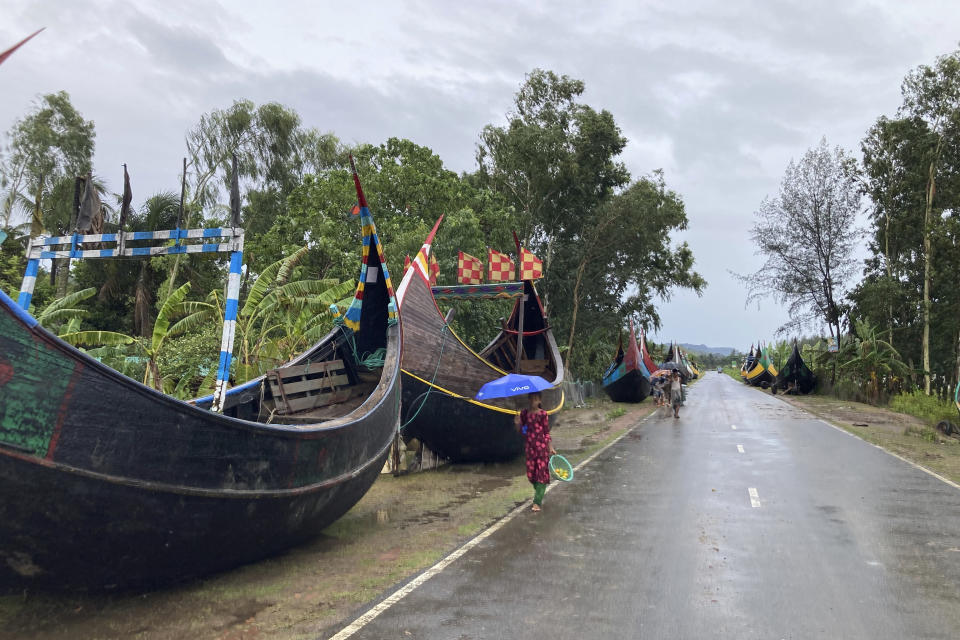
column 734, row 427
column 740, row 448
column 754, row 497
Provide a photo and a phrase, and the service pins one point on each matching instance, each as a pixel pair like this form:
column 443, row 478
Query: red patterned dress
column 537, row 445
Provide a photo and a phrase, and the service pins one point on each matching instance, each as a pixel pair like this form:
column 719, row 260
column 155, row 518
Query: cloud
column 720, row 95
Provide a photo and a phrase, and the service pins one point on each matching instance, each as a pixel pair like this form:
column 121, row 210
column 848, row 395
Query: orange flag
column 530, row 266
column 469, row 269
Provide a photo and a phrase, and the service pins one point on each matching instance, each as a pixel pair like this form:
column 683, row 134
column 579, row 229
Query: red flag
column 500, row 267
column 356, row 210
column 406, row 262
column 9, row 52
column 531, row 268
column 469, row 269
column 434, row 270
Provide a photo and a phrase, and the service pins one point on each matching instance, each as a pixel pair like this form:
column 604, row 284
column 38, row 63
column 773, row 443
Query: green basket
column 560, row 468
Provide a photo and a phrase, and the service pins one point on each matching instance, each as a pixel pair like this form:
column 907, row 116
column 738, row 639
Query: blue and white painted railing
column 185, row 241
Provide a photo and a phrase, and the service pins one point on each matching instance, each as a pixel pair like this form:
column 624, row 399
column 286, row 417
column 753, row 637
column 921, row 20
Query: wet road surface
column 782, row 527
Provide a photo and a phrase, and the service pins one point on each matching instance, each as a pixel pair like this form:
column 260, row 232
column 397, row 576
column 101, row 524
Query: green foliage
column 928, row 408
column 48, row 147
column 615, row 413
column 554, row 164
column 911, row 171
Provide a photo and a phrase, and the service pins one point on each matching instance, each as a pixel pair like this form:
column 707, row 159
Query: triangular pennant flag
column 434, row 270
column 127, row 198
column 530, row 266
column 469, row 269
column 500, row 267
column 234, row 194
column 356, row 210
column 9, row 52
column 406, row 262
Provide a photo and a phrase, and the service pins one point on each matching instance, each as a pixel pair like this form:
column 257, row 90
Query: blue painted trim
column 212, row 233
column 236, row 262
column 246, row 385
column 33, row 268
column 230, row 311
column 24, row 317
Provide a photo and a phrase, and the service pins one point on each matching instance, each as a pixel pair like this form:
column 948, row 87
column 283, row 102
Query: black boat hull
column 456, row 429
column 105, row 535
column 632, row 387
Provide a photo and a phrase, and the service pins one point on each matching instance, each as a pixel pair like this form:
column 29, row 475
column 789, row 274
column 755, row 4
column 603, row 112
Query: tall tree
column 931, row 94
column 807, row 234
column 622, row 260
column 49, row 146
column 554, row 161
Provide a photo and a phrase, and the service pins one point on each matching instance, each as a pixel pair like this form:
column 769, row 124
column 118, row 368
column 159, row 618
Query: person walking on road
column 676, row 393
column 534, row 424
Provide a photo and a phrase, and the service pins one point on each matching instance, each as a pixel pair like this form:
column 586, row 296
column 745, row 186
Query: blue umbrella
column 512, row 384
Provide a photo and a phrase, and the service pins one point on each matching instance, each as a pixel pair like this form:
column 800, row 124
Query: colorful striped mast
column 233, row 298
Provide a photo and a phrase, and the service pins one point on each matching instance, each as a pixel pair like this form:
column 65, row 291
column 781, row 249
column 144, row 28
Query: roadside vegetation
column 892, row 337
column 552, row 173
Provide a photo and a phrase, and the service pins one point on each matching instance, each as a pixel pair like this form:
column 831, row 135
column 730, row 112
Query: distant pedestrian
column 534, row 424
column 676, row 393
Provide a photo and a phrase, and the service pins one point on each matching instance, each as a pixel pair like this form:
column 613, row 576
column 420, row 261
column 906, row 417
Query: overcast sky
column 721, row 95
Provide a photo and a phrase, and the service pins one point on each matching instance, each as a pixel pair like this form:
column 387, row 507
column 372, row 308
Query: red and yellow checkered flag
column 434, row 270
column 469, row 269
column 530, row 266
column 500, row 267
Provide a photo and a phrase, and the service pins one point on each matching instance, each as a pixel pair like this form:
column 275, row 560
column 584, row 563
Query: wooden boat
column 761, row 372
column 627, row 379
column 747, row 364
column 675, row 360
column 106, row 483
column 441, row 374
column 795, row 376
column 645, row 354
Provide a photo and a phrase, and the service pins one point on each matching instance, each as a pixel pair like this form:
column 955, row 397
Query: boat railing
column 145, row 244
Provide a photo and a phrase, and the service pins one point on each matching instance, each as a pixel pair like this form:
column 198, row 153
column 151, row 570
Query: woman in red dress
column 534, row 424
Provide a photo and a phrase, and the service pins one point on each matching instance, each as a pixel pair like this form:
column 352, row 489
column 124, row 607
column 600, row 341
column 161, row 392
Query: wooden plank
column 296, row 387
column 300, row 370
column 533, row 366
column 305, row 403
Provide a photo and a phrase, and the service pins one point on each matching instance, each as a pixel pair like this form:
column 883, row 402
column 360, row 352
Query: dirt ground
column 402, row 526
column 905, row 435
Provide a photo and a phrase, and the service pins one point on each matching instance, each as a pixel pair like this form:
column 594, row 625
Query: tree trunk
column 573, row 317
column 886, row 258
column 927, row 250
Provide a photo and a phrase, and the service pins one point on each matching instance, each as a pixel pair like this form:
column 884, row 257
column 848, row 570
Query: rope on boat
column 426, row 394
column 371, row 360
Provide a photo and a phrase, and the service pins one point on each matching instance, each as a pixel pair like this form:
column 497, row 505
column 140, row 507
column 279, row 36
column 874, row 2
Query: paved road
column 659, row 538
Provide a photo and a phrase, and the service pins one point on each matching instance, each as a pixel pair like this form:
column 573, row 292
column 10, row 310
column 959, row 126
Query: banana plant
column 172, row 307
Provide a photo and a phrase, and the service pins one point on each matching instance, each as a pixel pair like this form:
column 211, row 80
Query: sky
column 720, row 95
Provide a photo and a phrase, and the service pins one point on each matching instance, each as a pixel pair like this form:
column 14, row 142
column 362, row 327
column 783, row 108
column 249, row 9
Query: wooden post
column 522, row 312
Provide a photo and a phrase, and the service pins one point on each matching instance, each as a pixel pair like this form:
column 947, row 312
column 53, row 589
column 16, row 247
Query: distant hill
column 702, row 348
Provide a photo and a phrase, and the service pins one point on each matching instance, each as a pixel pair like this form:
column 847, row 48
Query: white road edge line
column 887, row 451
column 740, row 448
column 897, row 456
column 408, row 588
column 754, row 497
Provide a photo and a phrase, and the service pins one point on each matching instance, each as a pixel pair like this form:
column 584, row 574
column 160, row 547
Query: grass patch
column 930, row 409
column 615, row 413
column 924, row 433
